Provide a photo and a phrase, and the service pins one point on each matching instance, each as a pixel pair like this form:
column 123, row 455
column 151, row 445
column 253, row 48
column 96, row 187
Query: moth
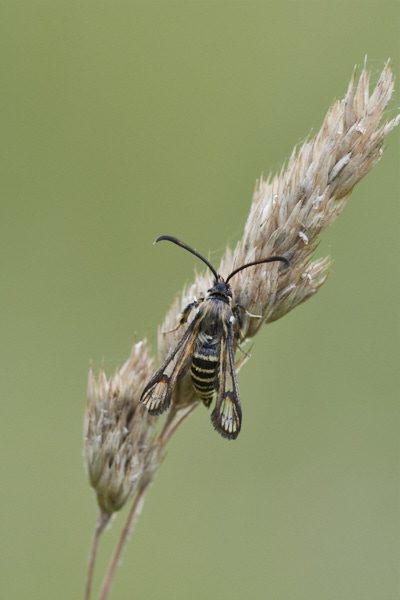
column 207, row 349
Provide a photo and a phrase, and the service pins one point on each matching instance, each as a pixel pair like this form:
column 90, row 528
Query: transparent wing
column 158, row 392
column 227, row 414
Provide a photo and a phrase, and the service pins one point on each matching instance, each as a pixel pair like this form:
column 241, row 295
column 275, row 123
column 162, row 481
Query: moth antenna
column 258, row 262
column 189, row 249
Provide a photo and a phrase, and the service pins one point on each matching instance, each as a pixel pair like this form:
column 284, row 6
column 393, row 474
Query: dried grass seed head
column 118, row 448
column 290, row 210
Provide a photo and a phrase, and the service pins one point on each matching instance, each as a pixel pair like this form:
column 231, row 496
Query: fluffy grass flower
column 119, row 454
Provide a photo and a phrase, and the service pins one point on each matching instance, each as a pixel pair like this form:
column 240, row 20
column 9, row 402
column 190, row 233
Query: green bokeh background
column 122, row 121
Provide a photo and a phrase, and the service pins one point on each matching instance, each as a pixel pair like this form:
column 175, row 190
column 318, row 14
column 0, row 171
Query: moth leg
column 244, row 351
column 183, row 317
column 247, row 312
column 237, row 313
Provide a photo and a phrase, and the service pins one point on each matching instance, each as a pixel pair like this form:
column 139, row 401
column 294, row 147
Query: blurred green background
column 122, row 121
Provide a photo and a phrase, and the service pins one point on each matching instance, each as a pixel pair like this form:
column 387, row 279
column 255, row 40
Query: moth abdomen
column 204, row 370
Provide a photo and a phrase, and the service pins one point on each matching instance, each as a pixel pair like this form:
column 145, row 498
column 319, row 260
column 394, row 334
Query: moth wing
column 227, row 414
column 158, row 392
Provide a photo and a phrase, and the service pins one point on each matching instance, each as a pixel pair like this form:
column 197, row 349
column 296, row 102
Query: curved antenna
column 258, row 262
column 179, row 243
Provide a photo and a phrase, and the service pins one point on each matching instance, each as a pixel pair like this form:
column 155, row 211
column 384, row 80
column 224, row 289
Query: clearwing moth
column 207, row 348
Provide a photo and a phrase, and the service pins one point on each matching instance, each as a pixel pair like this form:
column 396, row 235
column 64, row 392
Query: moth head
column 222, row 289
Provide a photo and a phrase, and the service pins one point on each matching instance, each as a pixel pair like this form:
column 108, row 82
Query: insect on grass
column 207, row 349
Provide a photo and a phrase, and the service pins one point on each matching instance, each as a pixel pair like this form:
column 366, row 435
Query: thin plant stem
column 101, row 524
column 170, row 417
column 122, row 541
column 165, row 436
